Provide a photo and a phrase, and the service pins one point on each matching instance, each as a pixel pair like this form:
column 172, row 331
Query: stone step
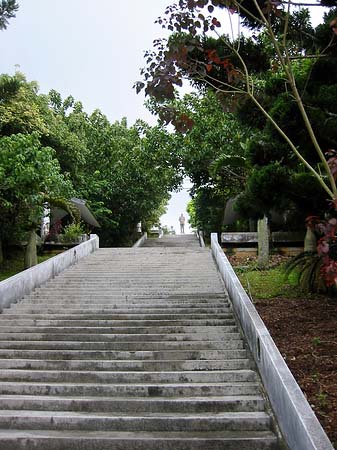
column 179, row 355
column 79, row 440
column 122, row 334
column 104, row 302
column 149, row 293
column 104, row 267
column 109, row 341
column 130, row 364
column 132, row 285
column 131, row 390
column 150, row 287
column 126, row 405
column 132, row 333
column 43, row 318
column 204, row 277
column 120, row 326
column 97, row 343
column 168, row 297
column 164, row 422
column 125, row 299
column 109, row 278
column 200, row 376
column 19, row 311
column 185, row 291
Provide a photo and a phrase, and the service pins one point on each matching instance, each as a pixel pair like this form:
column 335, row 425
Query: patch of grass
column 15, row 265
column 266, row 284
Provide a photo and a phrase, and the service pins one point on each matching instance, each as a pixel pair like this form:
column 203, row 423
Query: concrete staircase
column 130, row 349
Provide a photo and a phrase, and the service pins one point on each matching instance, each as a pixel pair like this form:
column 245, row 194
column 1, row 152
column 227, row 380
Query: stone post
column 310, row 241
column 30, row 251
column 263, row 242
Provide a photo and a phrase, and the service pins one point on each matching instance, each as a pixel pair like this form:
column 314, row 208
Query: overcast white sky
column 92, row 50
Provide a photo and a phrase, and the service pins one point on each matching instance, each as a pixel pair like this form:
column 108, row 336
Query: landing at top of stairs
column 179, row 240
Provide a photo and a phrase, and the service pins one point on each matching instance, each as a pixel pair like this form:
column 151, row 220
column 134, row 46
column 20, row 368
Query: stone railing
column 200, row 235
column 16, row 287
column 252, row 237
column 140, row 241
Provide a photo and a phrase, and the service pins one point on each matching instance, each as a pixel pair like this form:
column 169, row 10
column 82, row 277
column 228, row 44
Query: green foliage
column 66, row 205
column 28, row 173
column 9, row 86
column 192, row 214
column 266, row 189
column 8, row 8
column 72, row 232
column 21, row 109
column 206, row 211
column 212, row 155
column 260, row 151
column 299, row 190
column 134, row 185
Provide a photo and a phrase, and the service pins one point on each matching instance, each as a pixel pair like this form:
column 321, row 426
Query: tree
column 59, row 123
column 194, row 56
column 206, row 210
column 29, row 176
column 8, row 8
column 20, row 109
column 130, row 172
column 211, row 153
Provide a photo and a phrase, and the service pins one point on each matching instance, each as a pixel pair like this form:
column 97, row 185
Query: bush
column 72, row 233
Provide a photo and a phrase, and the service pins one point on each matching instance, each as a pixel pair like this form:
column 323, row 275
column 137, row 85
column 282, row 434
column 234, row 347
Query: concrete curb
column 16, row 287
column 296, row 419
column 140, row 241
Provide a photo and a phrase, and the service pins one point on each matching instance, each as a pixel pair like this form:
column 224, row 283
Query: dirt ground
column 305, row 331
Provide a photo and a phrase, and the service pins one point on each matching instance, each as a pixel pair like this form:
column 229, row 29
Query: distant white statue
column 182, row 223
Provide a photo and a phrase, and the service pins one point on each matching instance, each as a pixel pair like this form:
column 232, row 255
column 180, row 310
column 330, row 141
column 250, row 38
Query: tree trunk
column 30, row 251
column 1, row 253
column 263, row 242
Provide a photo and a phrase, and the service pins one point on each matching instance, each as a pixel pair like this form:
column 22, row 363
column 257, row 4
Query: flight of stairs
column 130, row 349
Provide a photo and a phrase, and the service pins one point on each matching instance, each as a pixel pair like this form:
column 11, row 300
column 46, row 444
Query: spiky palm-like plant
column 307, row 266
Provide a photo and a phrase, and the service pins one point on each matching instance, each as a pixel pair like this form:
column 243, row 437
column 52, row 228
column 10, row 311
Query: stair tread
column 157, row 415
column 131, row 435
column 224, row 399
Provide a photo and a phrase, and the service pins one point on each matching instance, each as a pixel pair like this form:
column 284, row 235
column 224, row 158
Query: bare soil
column 305, row 331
